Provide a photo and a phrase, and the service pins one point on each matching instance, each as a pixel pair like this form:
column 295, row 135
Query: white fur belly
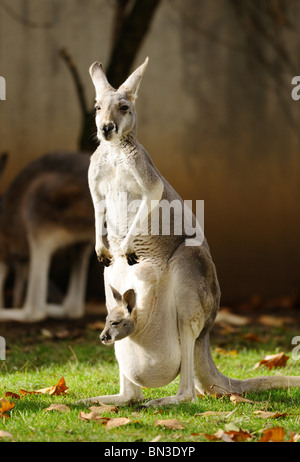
column 152, row 369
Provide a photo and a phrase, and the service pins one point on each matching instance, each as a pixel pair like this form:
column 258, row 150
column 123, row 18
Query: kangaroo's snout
column 105, row 337
column 107, row 129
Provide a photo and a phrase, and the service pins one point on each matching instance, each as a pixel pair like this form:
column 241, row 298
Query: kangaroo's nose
column 105, row 337
column 107, row 128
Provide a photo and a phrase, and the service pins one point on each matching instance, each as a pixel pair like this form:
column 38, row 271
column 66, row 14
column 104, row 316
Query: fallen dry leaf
column 173, row 424
column 58, row 407
column 5, row 407
column 58, row 389
column 275, row 435
column 231, row 436
column 95, row 416
column 10, row 394
column 4, row 434
column 117, row 422
column 235, row 398
column 270, row 361
column 269, row 415
column 104, row 408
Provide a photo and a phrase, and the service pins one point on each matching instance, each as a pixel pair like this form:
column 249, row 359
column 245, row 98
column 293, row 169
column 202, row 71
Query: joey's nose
column 107, row 128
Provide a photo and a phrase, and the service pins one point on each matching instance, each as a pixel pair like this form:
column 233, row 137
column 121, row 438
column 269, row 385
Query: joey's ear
column 99, row 79
column 3, row 161
column 116, row 294
column 131, row 85
column 129, row 300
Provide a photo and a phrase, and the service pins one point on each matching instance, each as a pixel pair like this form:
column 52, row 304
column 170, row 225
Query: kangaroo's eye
column 115, row 323
column 98, row 108
column 124, row 108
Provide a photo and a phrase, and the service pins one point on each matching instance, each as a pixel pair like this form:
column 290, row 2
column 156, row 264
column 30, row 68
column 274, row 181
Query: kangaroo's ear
column 129, row 300
column 131, row 85
column 116, row 294
column 3, row 161
column 99, row 79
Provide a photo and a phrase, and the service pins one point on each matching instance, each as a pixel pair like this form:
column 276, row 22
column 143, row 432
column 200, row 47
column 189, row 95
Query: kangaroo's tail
column 208, row 379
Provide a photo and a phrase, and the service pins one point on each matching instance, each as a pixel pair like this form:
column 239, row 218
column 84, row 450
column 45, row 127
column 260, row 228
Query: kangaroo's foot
column 21, row 315
column 176, row 399
column 119, row 400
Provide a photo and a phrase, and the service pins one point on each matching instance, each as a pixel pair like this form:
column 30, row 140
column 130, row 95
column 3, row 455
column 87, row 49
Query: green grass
column 90, row 369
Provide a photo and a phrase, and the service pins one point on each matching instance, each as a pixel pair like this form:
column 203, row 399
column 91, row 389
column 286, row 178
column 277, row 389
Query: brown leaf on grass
column 231, row 436
column 104, row 408
column 173, row 424
column 117, row 422
column 10, row 394
column 58, row 389
column 95, row 416
column 270, row 415
column 240, row 435
column 5, row 407
column 270, row 361
column 275, row 434
column 4, row 434
column 58, row 407
column 235, row 398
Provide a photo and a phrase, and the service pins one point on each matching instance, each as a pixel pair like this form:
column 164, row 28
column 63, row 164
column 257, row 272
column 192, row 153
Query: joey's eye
column 98, row 108
column 115, row 323
column 124, row 108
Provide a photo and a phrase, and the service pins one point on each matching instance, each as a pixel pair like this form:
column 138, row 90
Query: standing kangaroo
column 176, row 285
column 46, row 208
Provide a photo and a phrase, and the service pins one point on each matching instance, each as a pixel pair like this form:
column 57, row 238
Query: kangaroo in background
column 46, row 208
column 175, row 283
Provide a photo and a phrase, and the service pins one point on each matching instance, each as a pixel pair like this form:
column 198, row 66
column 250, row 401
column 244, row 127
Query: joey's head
column 115, row 109
column 121, row 321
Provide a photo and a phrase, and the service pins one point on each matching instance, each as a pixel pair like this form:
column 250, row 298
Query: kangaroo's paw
column 104, row 256
column 132, row 259
column 106, row 261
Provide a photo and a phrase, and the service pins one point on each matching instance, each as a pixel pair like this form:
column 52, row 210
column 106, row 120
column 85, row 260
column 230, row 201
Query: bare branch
column 77, row 81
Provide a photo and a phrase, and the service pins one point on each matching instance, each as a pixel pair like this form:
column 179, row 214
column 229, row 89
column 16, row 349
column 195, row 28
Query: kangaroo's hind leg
column 34, row 308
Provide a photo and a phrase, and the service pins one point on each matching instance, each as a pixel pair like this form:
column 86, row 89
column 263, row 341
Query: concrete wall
column 215, row 125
